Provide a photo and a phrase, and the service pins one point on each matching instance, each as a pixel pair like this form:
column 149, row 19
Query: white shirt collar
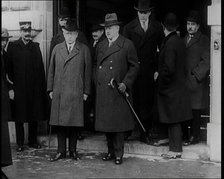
column 113, row 39
column 70, row 45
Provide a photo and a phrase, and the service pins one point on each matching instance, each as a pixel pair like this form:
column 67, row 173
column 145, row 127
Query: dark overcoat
column 173, row 95
column 6, row 156
column 198, row 65
column 146, row 44
column 69, row 78
column 26, row 70
column 120, row 62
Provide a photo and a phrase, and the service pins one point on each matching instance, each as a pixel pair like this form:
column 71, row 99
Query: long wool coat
column 146, row 44
column 6, row 156
column 198, row 64
column 173, row 95
column 26, row 70
column 120, row 62
column 69, row 78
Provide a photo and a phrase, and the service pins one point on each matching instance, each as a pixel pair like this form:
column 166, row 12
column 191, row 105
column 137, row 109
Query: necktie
column 94, row 43
column 69, row 49
column 144, row 26
column 189, row 38
column 110, row 43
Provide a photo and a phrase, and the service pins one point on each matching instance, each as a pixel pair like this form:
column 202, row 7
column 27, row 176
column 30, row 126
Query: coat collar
column 195, row 38
column 68, row 56
column 21, row 44
column 167, row 38
column 107, row 51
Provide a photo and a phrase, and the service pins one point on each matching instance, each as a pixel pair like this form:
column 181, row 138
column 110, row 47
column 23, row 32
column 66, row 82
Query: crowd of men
column 164, row 76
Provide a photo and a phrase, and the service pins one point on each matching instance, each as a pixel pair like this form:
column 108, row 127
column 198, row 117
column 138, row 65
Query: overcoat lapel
column 113, row 49
column 68, row 56
column 194, row 39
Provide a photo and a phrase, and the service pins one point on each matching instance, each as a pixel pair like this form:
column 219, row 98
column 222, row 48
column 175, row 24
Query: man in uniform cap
column 146, row 34
column 26, row 71
column 198, row 65
column 6, row 156
column 116, row 59
column 68, row 85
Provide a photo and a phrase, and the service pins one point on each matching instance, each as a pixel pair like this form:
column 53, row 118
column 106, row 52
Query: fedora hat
column 194, row 16
column 71, row 25
column 5, row 33
column 25, row 25
column 64, row 12
column 170, row 21
column 144, row 5
column 111, row 19
column 95, row 27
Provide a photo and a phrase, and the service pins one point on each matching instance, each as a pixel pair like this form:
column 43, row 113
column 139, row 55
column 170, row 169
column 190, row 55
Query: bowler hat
column 25, row 25
column 144, row 5
column 170, row 22
column 71, row 25
column 111, row 19
column 64, row 12
column 194, row 16
column 5, row 33
column 95, row 27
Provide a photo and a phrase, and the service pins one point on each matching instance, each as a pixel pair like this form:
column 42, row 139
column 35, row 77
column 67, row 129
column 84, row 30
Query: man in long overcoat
column 69, row 82
column 6, row 155
column 146, row 34
column 116, row 59
column 63, row 17
column 26, row 71
column 198, row 64
column 173, row 95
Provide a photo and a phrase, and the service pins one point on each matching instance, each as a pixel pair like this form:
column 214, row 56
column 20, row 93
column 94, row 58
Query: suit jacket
column 146, row 44
column 198, row 65
column 173, row 95
column 120, row 62
column 26, row 70
column 69, row 78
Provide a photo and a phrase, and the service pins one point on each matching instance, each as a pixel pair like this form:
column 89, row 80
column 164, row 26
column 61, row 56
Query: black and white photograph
column 95, row 89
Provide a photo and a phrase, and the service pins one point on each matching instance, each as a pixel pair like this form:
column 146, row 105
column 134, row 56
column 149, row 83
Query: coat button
column 111, row 61
column 100, row 67
column 111, row 68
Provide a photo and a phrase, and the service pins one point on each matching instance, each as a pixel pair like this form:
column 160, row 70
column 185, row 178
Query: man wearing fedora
column 6, row 155
column 173, row 95
column 63, row 16
column 198, row 65
column 68, row 85
column 116, row 59
column 146, row 34
column 26, row 71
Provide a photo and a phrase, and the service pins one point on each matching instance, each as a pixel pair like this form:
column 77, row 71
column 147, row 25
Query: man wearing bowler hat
column 116, row 59
column 63, row 16
column 198, row 65
column 173, row 95
column 26, row 71
column 146, row 34
column 68, row 85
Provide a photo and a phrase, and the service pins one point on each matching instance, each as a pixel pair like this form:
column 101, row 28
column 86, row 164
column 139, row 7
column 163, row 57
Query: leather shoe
column 57, row 157
column 74, row 155
column 118, row 160
column 35, row 145
column 19, row 149
column 109, row 156
column 191, row 141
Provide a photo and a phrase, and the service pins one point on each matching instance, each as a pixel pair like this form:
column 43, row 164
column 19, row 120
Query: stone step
column 97, row 142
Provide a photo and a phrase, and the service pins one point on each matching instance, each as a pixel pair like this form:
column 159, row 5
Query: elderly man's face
column 192, row 27
column 26, row 34
column 112, row 31
column 70, row 36
column 143, row 15
column 97, row 34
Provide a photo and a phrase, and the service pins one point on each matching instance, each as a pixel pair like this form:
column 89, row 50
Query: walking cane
column 113, row 84
column 49, row 137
